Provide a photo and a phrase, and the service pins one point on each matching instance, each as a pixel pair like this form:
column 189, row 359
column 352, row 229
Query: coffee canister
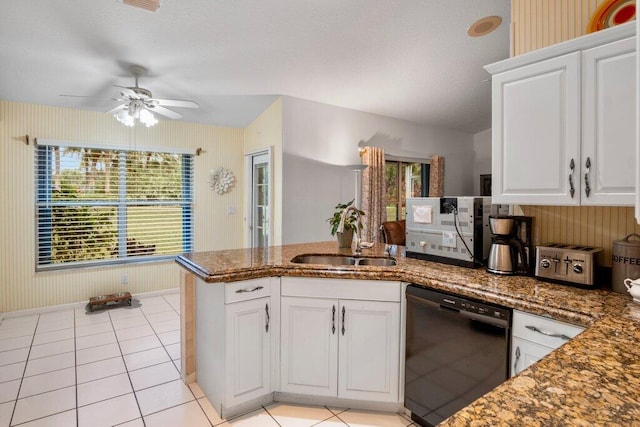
column 625, row 261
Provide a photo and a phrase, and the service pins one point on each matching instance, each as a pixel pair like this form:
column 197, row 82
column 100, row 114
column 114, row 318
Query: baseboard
column 75, row 305
column 366, row 405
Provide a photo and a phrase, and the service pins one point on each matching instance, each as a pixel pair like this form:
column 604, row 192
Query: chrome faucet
column 343, row 218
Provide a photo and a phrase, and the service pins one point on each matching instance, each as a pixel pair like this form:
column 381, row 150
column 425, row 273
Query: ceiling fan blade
column 117, row 109
column 164, row 111
column 86, row 96
column 128, row 92
column 177, row 103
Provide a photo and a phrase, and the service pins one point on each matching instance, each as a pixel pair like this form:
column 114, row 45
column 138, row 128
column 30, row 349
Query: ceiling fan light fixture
column 147, row 118
column 123, row 117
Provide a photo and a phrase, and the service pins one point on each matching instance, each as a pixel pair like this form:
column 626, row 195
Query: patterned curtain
column 373, row 194
column 436, row 177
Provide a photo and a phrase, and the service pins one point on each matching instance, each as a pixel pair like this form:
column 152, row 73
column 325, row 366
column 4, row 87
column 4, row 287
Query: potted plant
column 352, row 223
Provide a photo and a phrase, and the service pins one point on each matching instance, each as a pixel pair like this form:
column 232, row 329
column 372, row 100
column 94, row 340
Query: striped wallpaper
column 20, row 286
column 540, row 23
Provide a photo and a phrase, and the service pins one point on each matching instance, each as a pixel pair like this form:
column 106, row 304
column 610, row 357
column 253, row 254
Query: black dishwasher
column 457, row 350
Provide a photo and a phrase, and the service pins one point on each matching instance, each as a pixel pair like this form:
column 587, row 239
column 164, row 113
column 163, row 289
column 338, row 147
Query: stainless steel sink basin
column 325, row 259
column 378, row 262
column 343, row 260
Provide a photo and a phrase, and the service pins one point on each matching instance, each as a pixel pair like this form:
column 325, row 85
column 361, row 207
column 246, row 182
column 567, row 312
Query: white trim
column 102, row 146
column 248, row 179
column 74, row 305
column 587, row 41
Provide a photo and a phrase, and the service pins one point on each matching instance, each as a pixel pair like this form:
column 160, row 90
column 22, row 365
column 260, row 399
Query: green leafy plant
column 351, row 222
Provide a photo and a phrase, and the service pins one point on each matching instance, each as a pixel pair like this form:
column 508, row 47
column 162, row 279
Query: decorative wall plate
column 221, row 180
column 611, row 13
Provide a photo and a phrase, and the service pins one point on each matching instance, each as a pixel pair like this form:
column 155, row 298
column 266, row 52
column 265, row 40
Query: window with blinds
column 108, row 205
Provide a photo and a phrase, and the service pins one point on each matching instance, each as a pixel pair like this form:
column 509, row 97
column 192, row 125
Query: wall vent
column 150, row 5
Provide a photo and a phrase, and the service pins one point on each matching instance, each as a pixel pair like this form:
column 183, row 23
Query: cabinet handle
column 572, row 166
column 266, row 309
column 549, row 334
column 257, row 288
column 333, row 320
column 343, row 310
column 587, row 188
column 515, row 364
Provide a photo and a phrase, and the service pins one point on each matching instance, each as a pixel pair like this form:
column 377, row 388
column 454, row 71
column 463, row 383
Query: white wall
column 320, row 140
column 482, row 164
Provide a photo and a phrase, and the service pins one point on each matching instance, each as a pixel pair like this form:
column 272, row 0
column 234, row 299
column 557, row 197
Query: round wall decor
column 221, row 180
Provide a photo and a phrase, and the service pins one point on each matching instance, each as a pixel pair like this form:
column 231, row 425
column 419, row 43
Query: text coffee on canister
column 625, row 261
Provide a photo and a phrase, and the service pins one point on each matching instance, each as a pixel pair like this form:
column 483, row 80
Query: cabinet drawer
column 541, row 330
column 247, row 290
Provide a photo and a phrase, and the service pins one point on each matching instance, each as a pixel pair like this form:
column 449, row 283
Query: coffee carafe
column 511, row 249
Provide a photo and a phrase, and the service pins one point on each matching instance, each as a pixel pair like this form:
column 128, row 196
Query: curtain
column 436, row 177
column 373, row 194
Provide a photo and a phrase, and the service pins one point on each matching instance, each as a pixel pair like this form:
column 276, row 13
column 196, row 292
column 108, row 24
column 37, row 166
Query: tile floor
column 121, row 367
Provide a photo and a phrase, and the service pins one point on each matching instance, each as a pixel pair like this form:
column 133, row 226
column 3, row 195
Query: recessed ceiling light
column 484, row 26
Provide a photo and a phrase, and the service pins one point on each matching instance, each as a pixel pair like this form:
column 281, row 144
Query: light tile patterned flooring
column 121, row 367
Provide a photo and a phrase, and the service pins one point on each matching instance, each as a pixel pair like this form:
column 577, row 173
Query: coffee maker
column 511, row 250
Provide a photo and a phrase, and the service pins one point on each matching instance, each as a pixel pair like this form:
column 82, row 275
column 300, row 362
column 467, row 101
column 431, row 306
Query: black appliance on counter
column 456, row 351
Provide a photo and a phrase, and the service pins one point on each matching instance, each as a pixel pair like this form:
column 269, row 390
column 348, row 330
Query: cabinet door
column 536, row 133
column 309, row 346
column 369, row 350
column 248, row 350
column 525, row 353
column 609, row 124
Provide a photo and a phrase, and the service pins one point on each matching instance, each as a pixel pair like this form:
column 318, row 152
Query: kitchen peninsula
column 592, row 380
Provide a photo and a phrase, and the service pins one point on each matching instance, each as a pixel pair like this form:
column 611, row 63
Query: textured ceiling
column 407, row 59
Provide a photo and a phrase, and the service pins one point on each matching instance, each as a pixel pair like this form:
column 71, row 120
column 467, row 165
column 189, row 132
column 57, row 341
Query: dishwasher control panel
column 456, row 303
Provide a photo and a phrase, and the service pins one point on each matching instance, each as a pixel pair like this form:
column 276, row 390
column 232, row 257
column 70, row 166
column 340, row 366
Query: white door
column 309, row 346
column 609, row 124
column 369, row 350
column 258, row 212
column 525, row 353
column 248, row 350
column 536, row 133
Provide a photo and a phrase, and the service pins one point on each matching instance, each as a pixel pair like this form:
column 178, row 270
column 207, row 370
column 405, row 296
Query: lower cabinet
column 533, row 337
column 346, row 348
column 248, row 350
column 236, row 336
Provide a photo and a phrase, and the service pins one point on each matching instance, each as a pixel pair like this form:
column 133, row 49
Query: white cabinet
column 608, row 124
column 248, row 350
column 309, row 345
column 563, row 123
column 345, row 347
column 236, row 341
column 536, row 132
column 533, row 337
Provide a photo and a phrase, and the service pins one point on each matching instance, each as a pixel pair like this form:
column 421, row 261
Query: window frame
column 400, row 183
column 44, row 205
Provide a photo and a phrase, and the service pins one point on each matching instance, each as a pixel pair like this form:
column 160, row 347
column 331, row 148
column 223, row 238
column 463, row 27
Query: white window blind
column 109, row 205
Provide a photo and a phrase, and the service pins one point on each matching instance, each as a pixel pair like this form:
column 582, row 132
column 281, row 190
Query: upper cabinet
column 564, row 123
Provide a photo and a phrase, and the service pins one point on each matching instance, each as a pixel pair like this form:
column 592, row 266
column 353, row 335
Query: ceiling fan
column 138, row 103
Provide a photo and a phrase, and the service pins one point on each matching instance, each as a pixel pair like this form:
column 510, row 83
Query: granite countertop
column 592, row 380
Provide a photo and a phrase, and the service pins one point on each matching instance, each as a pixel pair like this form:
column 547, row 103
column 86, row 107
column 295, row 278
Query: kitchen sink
column 343, row 260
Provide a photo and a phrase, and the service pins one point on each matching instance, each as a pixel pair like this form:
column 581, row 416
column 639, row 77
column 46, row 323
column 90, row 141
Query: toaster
column 568, row 264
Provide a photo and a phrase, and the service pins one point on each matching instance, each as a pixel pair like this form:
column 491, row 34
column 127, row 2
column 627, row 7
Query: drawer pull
column 257, row 288
column 549, row 334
